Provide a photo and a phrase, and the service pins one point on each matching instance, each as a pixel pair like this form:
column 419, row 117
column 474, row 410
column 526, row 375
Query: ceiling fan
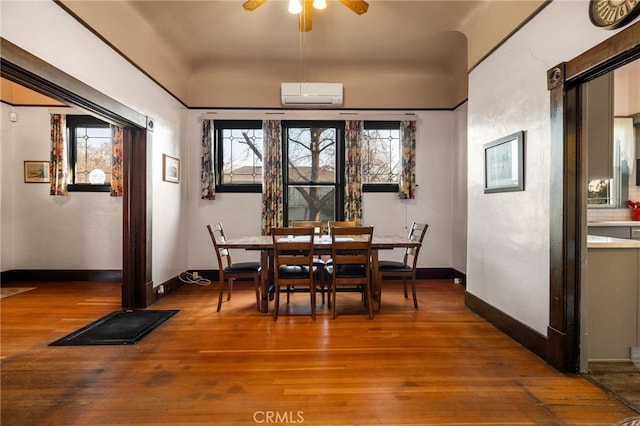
column 305, row 7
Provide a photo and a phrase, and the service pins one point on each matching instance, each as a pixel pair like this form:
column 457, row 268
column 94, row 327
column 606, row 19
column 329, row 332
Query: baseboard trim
column 421, row 274
column 521, row 333
column 57, row 275
column 163, row 289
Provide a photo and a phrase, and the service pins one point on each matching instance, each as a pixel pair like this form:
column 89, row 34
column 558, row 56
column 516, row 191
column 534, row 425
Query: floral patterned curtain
column 353, row 170
column 272, row 201
column 207, row 182
column 58, row 164
column 116, row 161
column 408, row 161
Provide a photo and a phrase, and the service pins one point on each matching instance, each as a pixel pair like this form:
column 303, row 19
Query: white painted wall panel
column 508, row 233
column 240, row 213
column 48, row 32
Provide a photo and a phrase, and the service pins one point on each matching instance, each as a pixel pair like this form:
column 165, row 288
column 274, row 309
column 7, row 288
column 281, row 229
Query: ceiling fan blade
column 305, row 18
column 252, row 4
column 358, row 6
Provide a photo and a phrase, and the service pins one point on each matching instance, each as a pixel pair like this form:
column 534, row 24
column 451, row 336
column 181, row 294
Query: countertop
column 595, row 241
column 614, row 223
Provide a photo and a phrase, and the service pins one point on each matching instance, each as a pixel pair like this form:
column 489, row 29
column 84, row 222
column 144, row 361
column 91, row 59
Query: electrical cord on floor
column 187, row 277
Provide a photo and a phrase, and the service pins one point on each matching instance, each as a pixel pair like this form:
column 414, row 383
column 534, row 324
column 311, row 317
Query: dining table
column 321, row 246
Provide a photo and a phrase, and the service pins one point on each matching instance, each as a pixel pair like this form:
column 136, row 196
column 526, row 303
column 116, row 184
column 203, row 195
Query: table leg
column 264, row 281
column 377, row 285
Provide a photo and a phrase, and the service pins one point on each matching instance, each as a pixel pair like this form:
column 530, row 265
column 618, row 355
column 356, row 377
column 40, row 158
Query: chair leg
column 256, row 283
column 333, row 301
column 312, row 291
column 404, row 284
column 230, row 289
column 413, row 289
column 222, row 280
column 276, row 303
column 367, row 290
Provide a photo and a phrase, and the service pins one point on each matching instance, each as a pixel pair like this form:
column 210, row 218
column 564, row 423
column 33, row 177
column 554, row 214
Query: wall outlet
column 160, row 290
column 456, row 280
column 194, row 274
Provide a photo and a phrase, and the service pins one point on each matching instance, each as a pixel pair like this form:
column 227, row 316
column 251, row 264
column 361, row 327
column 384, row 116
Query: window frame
column 218, row 156
column 381, row 187
column 73, row 121
column 338, row 185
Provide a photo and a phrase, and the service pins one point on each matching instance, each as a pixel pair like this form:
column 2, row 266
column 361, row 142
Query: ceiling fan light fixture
column 320, row 4
column 295, row 7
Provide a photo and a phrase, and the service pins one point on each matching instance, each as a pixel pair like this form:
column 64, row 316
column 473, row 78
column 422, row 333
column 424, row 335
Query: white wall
column 240, row 213
column 80, row 231
column 48, row 32
column 180, row 240
column 508, row 233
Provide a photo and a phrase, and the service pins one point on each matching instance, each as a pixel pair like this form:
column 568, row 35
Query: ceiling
column 215, row 54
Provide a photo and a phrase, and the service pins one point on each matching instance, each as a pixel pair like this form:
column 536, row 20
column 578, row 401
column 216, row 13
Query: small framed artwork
column 36, row 172
column 170, row 168
column 504, row 164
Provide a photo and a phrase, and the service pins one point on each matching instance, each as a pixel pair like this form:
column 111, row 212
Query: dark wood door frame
column 30, row 71
column 568, row 191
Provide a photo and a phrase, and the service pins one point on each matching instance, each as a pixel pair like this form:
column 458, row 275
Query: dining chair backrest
column 416, row 233
column 351, row 245
column 218, row 237
column 293, row 246
column 340, row 224
column 315, row 224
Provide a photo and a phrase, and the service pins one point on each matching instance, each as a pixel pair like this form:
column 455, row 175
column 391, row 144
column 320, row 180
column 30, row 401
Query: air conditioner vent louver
column 309, row 95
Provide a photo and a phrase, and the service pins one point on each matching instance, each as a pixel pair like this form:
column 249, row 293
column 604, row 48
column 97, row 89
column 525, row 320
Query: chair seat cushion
column 294, row 271
column 391, row 266
column 346, row 271
column 244, row 267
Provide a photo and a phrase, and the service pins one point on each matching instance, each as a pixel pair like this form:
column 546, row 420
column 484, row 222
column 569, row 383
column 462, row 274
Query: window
column 238, row 162
column 313, row 153
column 381, row 156
column 90, row 153
column 615, row 192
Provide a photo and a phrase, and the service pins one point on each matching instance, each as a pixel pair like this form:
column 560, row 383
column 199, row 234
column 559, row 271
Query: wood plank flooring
column 440, row 365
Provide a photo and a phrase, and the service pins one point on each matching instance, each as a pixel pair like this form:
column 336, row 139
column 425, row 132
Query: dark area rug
column 621, row 379
column 117, row 328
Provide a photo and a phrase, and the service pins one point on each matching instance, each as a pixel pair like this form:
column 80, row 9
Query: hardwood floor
column 439, row 365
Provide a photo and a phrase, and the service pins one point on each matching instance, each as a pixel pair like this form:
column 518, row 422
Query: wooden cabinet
column 610, row 231
column 612, row 295
column 597, row 130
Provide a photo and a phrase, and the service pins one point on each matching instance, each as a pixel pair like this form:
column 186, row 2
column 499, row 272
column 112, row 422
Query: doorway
column 568, row 190
column 21, row 67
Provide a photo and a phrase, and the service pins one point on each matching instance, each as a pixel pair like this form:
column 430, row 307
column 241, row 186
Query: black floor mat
column 117, row 328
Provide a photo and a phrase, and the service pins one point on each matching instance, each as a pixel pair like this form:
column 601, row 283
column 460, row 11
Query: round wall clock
column 611, row 14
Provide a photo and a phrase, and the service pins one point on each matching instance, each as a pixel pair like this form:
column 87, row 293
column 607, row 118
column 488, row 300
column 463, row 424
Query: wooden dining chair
column 351, row 262
column 406, row 270
column 340, row 223
column 318, row 262
column 293, row 263
column 228, row 271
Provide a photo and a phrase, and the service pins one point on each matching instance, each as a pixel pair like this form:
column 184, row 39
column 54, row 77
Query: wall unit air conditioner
column 311, row 95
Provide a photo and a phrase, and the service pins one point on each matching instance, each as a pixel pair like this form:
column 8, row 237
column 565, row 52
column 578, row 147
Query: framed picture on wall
column 36, row 172
column 170, row 168
column 504, row 164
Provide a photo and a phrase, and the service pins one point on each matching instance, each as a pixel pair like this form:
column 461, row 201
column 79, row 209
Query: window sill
column 89, row 188
column 248, row 188
column 380, row 187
